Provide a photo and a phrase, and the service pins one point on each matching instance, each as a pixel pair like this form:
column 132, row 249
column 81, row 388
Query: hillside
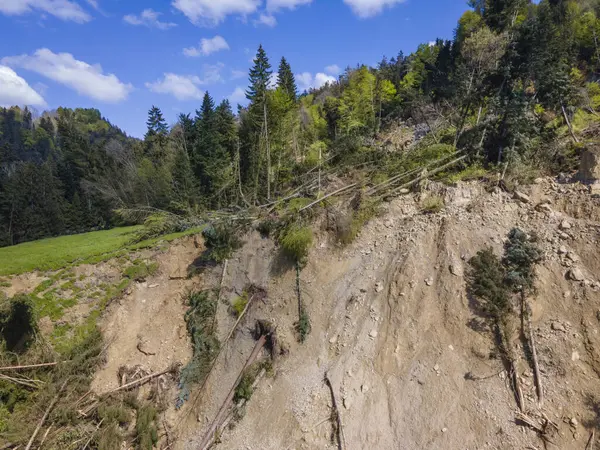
column 411, row 360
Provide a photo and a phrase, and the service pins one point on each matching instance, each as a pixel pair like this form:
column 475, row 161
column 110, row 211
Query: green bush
column 296, row 242
column 239, row 304
column 432, row 204
column 18, row 323
column 486, row 283
column 145, row 427
column 221, row 241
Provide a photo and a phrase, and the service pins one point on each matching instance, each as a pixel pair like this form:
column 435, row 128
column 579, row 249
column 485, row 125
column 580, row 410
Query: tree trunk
column 569, row 124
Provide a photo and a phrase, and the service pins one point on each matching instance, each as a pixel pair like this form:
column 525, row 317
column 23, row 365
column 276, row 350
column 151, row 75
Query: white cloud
column 333, row 69
column 93, row 4
column 369, row 8
column 238, row 96
column 213, row 12
column 14, row 90
column 306, row 80
column 274, row 5
column 237, row 74
column 182, row 87
column 148, row 18
column 63, row 9
column 212, row 73
column 86, row 79
column 207, row 47
column 266, row 19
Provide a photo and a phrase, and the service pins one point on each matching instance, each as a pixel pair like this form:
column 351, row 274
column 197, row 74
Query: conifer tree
column 260, row 74
column 286, row 80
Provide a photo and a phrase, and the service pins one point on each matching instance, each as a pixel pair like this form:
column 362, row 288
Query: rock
column 544, row 207
column 557, row 326
column 444, row 429
column 456, row 270
column 562, row 250
column 575, row 274
column 152, row 286
column 589, row 167
column 389, row 223
column 563, row 236
column 429, row 281
column 575, row 356
column 436, row 367
column 562, row 178
column 573, row 257
column 565, row 225
column 538, row 181
column 404, row 191
column 378, row 287
column 524, row 198
column 364, row 388
column 595, row 190
column 333, row 340
column 573, row 422
column 373, row 334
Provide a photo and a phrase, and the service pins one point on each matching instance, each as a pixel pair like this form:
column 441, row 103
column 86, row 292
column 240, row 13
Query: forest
column 515, row 90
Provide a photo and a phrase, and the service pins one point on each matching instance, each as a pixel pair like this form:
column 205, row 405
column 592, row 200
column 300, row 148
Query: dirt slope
column 401, row 341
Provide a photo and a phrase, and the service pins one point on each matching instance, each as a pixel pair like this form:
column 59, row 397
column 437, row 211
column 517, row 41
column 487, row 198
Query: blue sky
column 123, row 56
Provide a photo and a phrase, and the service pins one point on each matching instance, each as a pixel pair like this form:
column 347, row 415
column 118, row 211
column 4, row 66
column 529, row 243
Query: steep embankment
column 410, row 358
column 394, row 328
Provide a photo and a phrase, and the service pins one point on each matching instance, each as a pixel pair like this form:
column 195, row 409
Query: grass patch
column 474, row 172
column 140, row 270
column 89, row 248
column 55, row 253
column 348, row 225
column 432, row 204
column 221, row 241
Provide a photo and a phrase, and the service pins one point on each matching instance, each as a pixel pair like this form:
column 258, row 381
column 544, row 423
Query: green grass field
column 56, row 253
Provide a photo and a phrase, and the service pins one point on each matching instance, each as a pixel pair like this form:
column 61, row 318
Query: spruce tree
column 157, row 126
column 260, row 74
column 286, row 80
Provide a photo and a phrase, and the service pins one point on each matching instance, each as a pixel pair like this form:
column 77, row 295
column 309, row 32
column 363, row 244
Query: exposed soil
column 411, row 360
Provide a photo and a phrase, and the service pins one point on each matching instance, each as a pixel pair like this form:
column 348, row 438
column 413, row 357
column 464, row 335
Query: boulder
column 565, row 225
column 575, row 274
column 524, row 198
column 589, row 168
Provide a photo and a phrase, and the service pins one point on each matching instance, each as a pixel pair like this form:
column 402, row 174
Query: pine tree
column 286, row 80
column 260, row 76
column 184, row 183
column 226, row 128
column 157, row 126
column 206, row 142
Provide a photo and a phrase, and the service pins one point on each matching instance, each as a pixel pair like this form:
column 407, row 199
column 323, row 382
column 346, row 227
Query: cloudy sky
column 124, row 56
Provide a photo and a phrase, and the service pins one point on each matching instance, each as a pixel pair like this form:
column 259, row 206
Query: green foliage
column 18, row 323
column 221, row 241
column 201, row 326
column 349, row 225
column 303, row 326
column 486, row 283
column 473, row 172
column 244, row 390
column 140, row 270
column 145, row 427
column 295, row 241
column 521, row 254
column 239, row 304
column 432, row 204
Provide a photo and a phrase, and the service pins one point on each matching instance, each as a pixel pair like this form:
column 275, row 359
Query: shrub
column 239, row 304
column 18, row 323
column 145, row 427
column 221, row 241
column 432, row 204
column 474, row 172
column 296, row 242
